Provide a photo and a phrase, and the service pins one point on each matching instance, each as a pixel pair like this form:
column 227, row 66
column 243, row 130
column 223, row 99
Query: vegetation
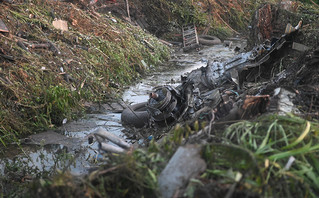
column 271, row 156
column 277, row 155
column 219, row 18
column 91, row 62
column 253, row 157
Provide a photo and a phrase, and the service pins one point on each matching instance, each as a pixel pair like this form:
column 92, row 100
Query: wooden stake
column 128, row 10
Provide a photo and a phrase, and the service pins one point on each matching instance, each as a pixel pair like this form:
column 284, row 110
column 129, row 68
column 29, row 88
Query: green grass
column 274, row 140
column 33, row 99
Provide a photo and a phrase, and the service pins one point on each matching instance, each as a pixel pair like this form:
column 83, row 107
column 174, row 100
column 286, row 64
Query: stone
column 185, row 164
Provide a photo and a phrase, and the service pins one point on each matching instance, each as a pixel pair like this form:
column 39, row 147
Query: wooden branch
column 41, row 45
column 314, row 3
column 128, row 10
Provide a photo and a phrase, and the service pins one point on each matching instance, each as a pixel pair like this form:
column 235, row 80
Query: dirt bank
column 47, row 73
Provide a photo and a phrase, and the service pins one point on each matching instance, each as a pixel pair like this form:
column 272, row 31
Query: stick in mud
column 113, row 138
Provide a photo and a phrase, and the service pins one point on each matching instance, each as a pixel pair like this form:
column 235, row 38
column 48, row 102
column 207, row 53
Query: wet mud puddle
column 68, row 148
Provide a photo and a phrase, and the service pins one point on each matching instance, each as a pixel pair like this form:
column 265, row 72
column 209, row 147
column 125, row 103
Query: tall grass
column 275, row 140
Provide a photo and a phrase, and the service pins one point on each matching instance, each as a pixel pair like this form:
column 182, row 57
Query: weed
column 275, row 140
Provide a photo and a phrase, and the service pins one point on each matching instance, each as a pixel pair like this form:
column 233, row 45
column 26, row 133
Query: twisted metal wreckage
column 214, row 92
column 209, row 88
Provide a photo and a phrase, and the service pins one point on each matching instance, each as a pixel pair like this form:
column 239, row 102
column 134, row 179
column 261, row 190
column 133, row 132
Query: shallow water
column 68, row 147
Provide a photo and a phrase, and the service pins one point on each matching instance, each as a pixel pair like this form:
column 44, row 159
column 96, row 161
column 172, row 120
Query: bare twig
column 41, row 45
column 314, row 3
column 109, row 170
column 211, row 123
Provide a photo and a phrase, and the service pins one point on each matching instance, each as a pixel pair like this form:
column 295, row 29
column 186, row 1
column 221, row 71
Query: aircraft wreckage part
column 112, row 137
column 111, row 148
column 162, row 104
column 135, row 115
column 208, row 40
column 160, row 98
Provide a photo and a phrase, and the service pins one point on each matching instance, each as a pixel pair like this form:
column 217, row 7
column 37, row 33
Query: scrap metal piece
column 289, row 28
column 300, row 47
column 162, row 103
column 111, row 148
column 113, row 138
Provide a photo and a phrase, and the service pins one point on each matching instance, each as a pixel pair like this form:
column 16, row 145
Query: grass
column 252, row 159
column 274, row 140
column 98, row 58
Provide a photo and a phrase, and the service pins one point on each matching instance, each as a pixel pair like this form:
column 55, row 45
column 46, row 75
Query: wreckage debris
column 282, row 102
column 190, row 37
column 113, row 138
column 120, row 145
column 300, row 47
column 169, row 105
column 163, row 104
column 135, row 115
